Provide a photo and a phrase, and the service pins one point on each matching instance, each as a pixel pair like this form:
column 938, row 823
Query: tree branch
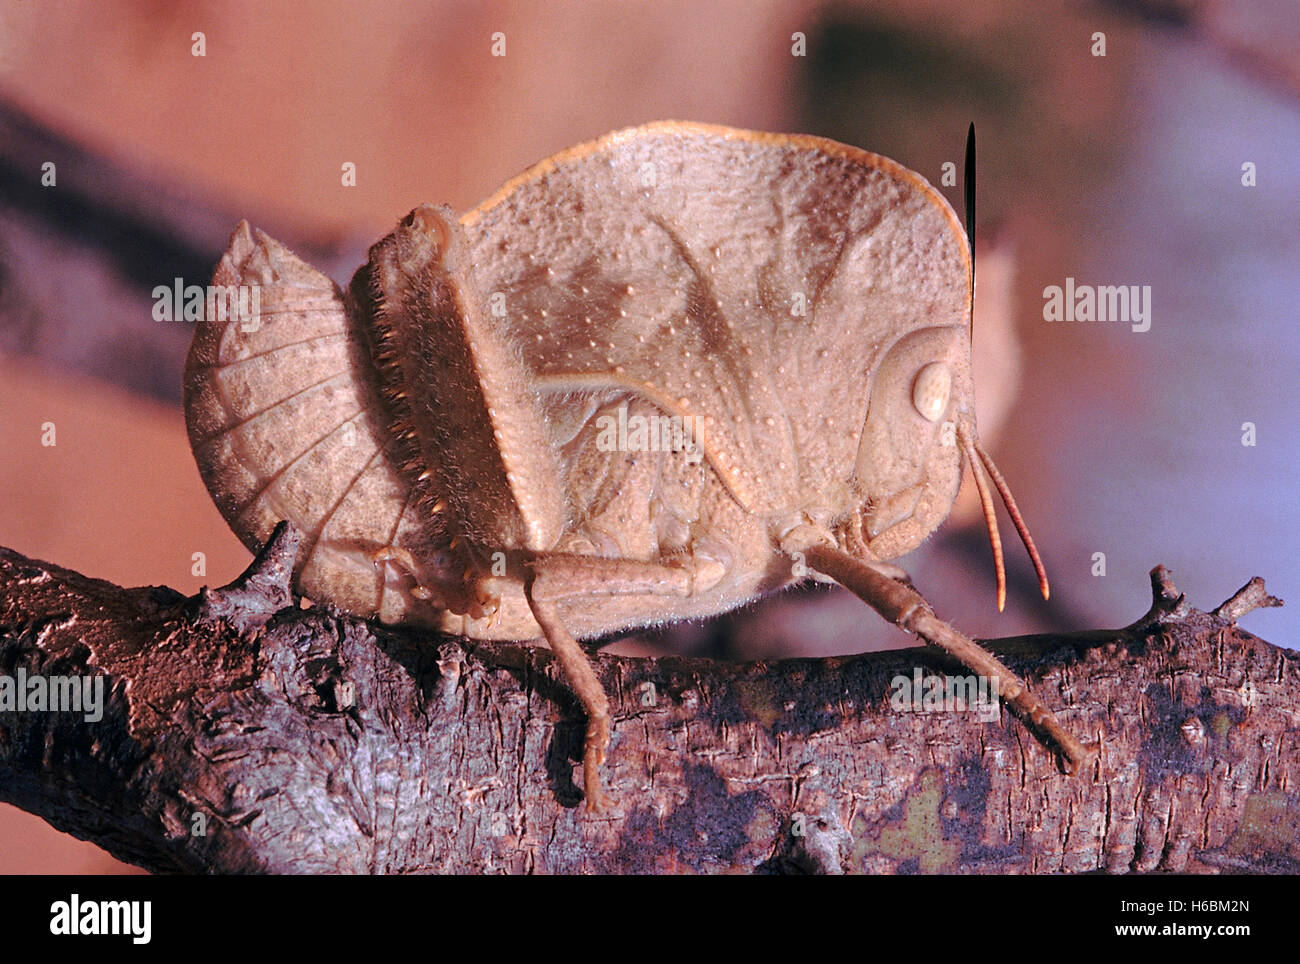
column 242, row 733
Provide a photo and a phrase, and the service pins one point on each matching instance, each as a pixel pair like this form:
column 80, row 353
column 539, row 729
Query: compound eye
column 931, row 389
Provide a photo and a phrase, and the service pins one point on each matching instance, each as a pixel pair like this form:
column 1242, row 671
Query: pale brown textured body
column 801, row 303
column 547, row 384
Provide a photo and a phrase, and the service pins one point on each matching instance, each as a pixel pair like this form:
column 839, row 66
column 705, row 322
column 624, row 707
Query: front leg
column 907, row 608
column 557, row 577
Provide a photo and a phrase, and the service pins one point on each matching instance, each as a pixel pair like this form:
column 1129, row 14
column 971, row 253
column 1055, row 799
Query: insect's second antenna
column 1013, row 510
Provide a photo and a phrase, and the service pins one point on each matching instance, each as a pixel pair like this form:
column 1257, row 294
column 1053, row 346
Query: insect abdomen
column 286, row 423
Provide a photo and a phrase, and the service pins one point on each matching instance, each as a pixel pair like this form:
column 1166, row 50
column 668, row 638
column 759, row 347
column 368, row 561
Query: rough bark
column 311, row 741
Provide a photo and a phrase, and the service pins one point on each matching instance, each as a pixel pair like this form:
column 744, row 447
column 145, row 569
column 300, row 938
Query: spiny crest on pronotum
column 441, row 431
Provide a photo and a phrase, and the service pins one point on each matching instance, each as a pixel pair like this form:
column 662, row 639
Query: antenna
column 969, row 182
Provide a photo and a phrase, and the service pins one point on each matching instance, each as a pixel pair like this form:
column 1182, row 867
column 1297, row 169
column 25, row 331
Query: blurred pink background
column 1122, row 169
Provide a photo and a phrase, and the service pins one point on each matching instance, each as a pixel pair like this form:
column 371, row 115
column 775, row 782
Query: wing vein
column 217, row 366
column 278, row 473
column 333, row 509
column 249, row 419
